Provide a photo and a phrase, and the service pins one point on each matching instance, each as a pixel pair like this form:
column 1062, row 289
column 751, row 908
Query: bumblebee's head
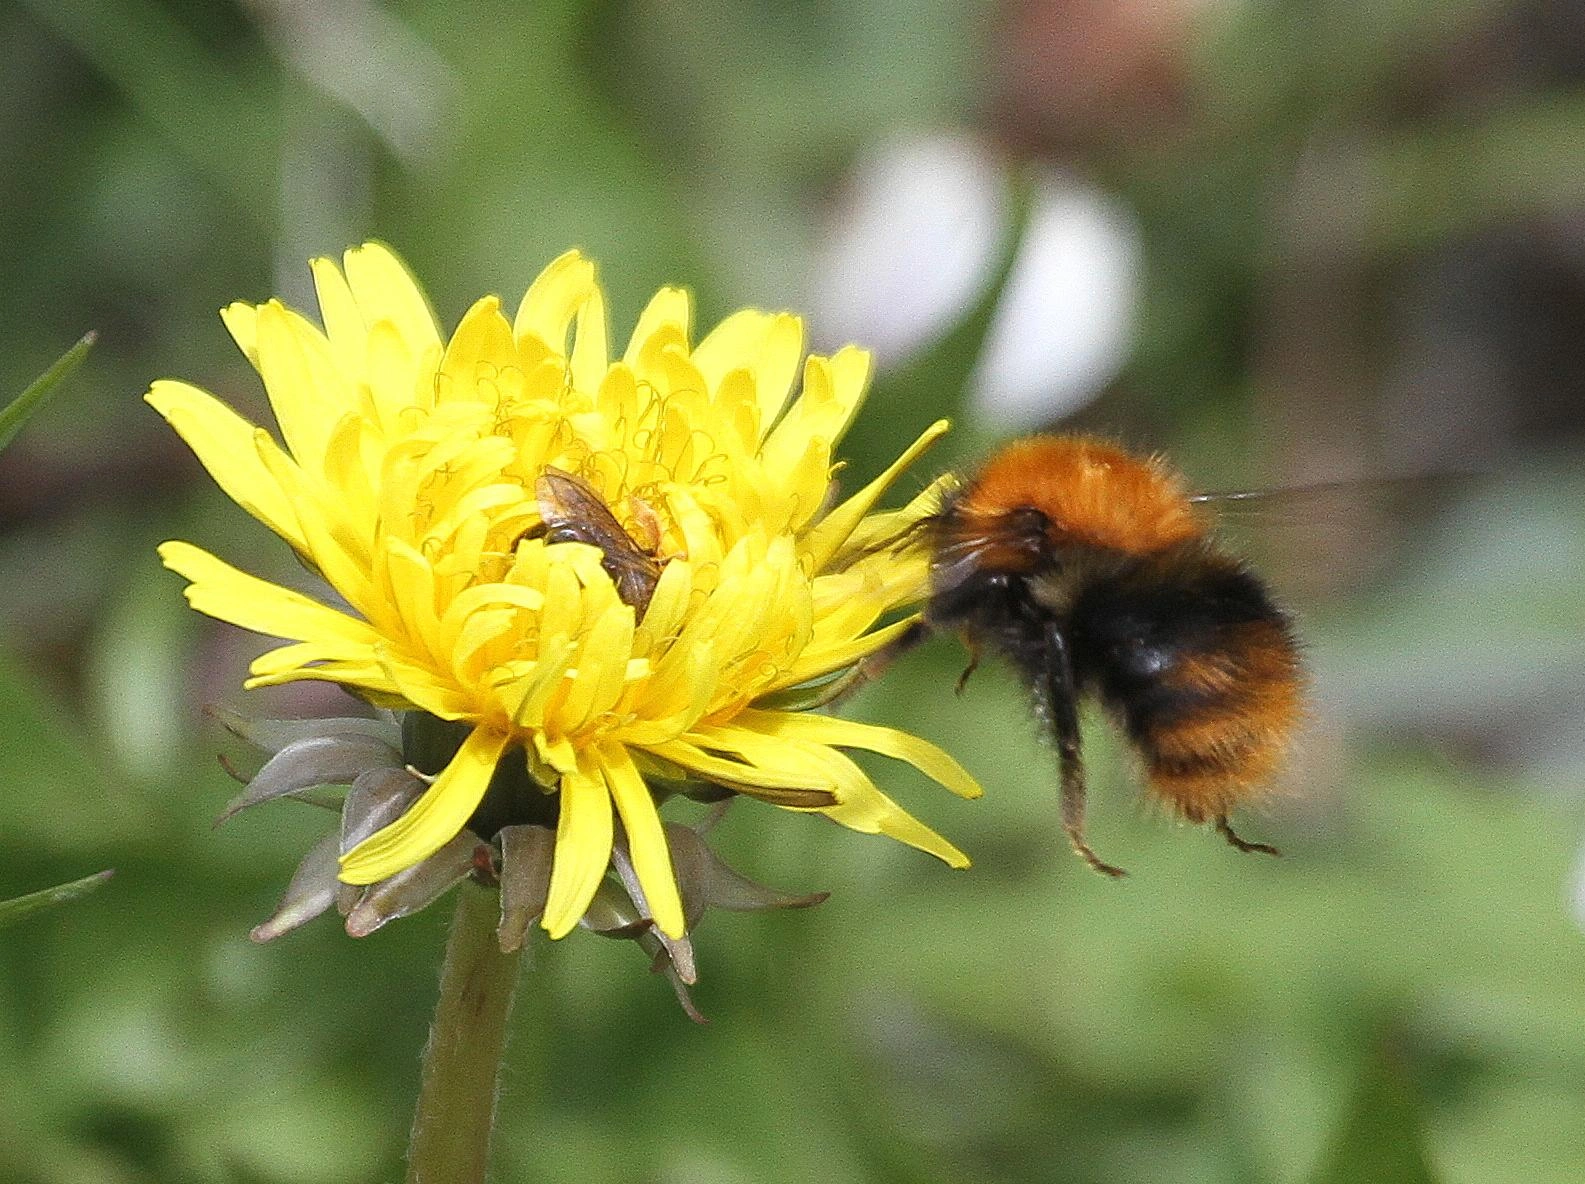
column 975, row 554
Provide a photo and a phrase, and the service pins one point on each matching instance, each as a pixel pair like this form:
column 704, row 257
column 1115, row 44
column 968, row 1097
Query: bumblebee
column 1097, row 575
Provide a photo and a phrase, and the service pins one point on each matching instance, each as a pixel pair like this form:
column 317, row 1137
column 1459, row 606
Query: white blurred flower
column 913, row 243
column 1066, row 319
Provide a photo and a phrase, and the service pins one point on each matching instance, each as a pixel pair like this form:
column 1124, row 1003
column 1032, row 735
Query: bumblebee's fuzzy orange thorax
column 1093, row 493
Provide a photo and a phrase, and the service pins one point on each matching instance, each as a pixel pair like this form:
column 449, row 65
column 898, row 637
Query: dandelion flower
column 605, row 579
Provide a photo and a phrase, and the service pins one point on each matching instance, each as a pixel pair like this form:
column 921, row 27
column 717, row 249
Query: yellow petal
column 386, row 291
column 412, row 586
column 646, row 840
column 434, row 819
column 860, row 805
column 850, row 379
column 534, row 692
column 223, row 442
column 306, row 389
column 335, row 546
column 583, row 848
column 338, row 310
column 807, row 484
column 553, row 299
column 395, row 376
column 668, row 606
column 477, row 351
column 832, row 393
column 847, row 733
column 348, row 471
column 368, row 679
column 767, row 347
column 821, row 543
column 670, row 308
column 891, row 528
column 817, row 659
column 220, row 590
column 481, row 599
column 591, row 347
column 426, row 689
column 600, row 679
column 299, row 655
column 688, row 754
column 242, row 322
column 863, row 807
column 561, row 754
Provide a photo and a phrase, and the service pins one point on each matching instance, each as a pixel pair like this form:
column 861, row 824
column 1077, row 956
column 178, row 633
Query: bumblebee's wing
column 1319, row 541
column 1312, row 502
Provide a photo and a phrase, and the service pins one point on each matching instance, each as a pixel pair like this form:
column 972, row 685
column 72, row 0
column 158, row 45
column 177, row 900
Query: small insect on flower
column 571, row 512
column 1096, row 573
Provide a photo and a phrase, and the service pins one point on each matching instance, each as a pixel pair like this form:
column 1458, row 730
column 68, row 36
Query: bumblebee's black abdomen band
column 1199, row 664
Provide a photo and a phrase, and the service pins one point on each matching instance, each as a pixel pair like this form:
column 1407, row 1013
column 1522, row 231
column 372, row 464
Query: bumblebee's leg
column 1062, row 705
column 971, row 644
column 872, row 666
column 1225, row 829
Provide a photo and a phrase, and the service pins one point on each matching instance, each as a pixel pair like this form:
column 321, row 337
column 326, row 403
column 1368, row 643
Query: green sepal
column 819, row 692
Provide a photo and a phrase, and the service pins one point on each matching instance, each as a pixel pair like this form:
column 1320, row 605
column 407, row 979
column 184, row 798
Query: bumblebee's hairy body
column 1094, row 573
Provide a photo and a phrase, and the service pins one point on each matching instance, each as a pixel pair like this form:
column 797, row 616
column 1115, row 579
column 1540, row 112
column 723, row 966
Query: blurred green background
column 1337, row 240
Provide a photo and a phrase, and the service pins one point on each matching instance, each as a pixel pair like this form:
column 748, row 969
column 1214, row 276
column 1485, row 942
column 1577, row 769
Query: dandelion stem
column 450, row 1143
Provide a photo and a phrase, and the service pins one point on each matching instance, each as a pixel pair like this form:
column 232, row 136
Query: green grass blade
column 13, row 416
column 12, row 911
